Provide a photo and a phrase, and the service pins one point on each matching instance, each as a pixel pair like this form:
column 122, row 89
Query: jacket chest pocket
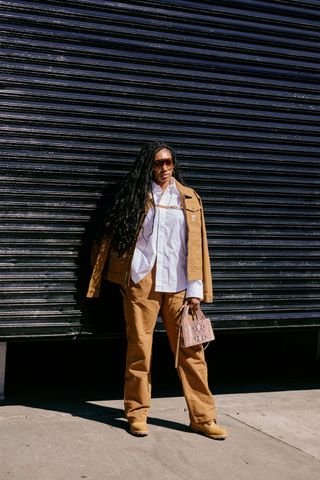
column 193, row 216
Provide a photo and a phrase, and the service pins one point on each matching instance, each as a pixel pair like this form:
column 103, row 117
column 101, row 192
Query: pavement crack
column 272, row 436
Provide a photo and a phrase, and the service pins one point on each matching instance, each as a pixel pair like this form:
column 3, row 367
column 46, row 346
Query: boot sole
column 139, row 434
column 214, row 437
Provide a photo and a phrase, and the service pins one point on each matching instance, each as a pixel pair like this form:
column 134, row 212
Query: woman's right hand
column 194, row 303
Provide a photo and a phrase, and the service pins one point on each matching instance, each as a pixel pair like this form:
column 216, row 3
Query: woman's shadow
column 84, row 409
column 100, row 317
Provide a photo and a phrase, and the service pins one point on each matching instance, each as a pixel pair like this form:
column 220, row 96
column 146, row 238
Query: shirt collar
column 171, row 187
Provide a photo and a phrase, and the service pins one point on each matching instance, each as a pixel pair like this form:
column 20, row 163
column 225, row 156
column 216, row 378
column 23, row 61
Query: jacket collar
column 184, row 191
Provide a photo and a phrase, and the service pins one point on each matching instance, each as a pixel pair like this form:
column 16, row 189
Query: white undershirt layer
column 163, row 240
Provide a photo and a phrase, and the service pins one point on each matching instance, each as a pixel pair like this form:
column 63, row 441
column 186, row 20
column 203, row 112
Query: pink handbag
column 194, row 329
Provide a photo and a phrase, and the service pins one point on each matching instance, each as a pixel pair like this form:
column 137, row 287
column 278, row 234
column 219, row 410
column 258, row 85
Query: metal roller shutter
column 233, row 86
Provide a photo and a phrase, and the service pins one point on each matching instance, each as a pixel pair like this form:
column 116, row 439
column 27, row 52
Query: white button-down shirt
column 163, row 240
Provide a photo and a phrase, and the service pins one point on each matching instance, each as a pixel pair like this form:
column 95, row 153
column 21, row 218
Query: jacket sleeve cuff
column 195, row 289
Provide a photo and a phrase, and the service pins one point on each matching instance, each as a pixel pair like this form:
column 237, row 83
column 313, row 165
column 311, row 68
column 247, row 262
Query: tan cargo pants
column 141, row 307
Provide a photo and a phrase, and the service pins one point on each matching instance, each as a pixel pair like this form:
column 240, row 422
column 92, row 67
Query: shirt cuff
column 195, row 289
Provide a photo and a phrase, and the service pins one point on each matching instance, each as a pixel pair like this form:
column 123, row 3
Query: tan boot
column 139, row 429
column 209, row 429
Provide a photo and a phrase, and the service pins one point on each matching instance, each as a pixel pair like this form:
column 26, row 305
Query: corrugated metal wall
column 233, row 86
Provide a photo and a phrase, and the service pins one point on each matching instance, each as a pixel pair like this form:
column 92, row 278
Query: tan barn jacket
column 107, row 263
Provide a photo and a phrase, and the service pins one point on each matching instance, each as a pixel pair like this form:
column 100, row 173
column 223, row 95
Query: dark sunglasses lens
column 158, row 164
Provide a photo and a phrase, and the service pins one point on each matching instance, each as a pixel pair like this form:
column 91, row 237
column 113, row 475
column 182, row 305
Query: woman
column 155, row 247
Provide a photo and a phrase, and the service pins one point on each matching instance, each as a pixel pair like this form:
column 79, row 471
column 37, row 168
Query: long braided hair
column 127, row 212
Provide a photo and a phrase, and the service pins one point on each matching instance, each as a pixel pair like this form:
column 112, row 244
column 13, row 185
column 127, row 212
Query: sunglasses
column 158, row 164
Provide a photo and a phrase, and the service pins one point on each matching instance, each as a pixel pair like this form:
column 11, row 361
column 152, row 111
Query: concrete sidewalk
column 271, row 435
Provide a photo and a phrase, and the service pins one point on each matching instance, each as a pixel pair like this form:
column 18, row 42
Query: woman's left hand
column 193, row 303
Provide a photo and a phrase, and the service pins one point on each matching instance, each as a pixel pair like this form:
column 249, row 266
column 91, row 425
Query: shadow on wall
column 101, row 316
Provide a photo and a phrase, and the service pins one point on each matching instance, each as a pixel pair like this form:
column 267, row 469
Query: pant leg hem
column 203, row 419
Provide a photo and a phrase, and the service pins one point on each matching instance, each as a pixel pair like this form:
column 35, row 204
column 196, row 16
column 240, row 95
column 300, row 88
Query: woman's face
column 162, row 168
